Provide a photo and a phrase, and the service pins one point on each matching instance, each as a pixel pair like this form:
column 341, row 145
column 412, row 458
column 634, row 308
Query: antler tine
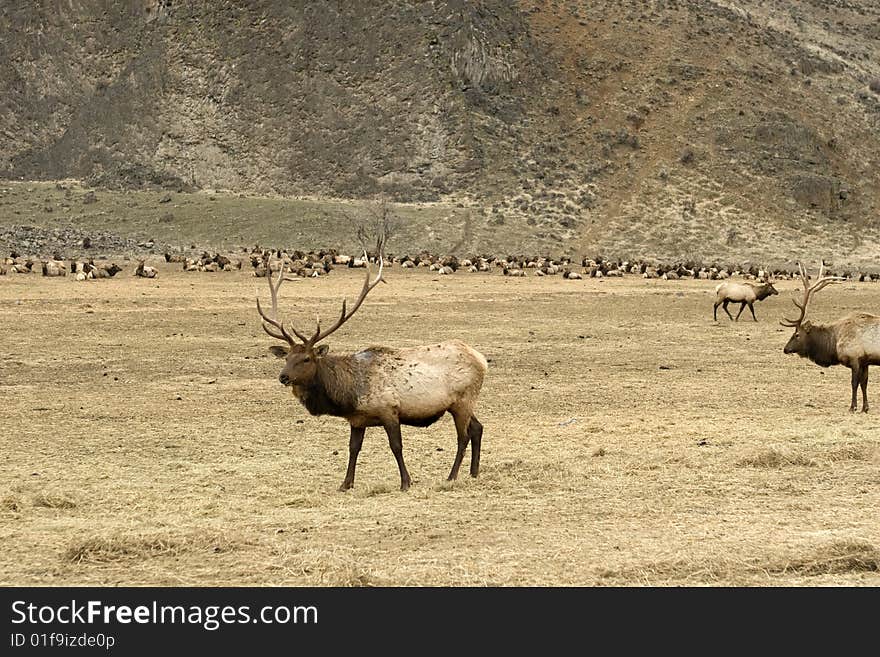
column 365, row 290
column 805, row 277
column 273, row 321
column 821, row 282
column 796, row 322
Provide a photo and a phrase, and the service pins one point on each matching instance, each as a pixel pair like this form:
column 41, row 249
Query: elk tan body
column 853, row 341
column 414, row 386
column 744, row 294
column 381, row 386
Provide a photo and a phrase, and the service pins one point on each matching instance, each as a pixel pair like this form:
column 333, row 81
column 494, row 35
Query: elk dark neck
column 822, row 346
column 762, row 291
column 333, row 391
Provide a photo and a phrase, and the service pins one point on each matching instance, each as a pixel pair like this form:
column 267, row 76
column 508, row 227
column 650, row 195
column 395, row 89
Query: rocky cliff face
column 662, row 124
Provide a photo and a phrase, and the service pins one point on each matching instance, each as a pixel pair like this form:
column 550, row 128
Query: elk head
column 797, row 344
column 766, row 289
column 302, row 353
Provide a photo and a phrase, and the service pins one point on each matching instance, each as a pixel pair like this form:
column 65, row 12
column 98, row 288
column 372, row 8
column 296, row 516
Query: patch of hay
column 10, row 503
column 381, row 489
column 54, row 501
column 773, row 458
column 833, row 559
column 108, row 549
column 337, row 567
column 850, row 453
column 840, row 557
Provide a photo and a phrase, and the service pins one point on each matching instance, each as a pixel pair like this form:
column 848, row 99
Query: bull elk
column 381, row 386
column 744, row 294
column 853, row 341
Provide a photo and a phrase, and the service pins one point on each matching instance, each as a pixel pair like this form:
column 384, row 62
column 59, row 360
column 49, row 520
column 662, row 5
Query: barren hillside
column 666, row 128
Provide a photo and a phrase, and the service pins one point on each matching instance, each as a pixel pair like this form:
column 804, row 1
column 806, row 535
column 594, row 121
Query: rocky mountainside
column 664, row 127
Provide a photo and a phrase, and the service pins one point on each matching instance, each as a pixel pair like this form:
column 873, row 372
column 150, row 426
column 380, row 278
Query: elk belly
column 424, row 392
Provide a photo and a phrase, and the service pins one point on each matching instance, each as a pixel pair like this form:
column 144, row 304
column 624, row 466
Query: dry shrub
column 773, row 458
column 106, row 549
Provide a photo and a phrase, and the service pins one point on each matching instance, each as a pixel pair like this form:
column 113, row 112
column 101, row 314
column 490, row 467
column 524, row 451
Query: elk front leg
column 752, row 308
column 742, row 306
column 354, row 448
column 395, row 441
column 864, row 383
column 856, row 377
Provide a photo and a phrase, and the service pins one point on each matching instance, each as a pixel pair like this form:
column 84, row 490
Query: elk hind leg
column 863, row 381
column 475, row 431
column 395, row 441
column 354, row 448
column 856, row 378
column 724, row 307
column 462, row 423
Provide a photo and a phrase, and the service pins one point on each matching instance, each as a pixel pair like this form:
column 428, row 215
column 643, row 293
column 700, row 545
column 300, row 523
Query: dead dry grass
column 103, row 549
column 629, row 440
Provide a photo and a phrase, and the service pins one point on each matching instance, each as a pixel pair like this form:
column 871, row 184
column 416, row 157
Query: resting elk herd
column 388, row 387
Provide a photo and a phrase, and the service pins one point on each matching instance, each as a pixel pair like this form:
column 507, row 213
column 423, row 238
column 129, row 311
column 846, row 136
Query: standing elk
column 744, row 294
column 853, row 341
column 381, row 386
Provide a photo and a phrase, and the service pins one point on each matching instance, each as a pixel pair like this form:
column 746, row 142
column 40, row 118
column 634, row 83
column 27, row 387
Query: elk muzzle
column 284, row 379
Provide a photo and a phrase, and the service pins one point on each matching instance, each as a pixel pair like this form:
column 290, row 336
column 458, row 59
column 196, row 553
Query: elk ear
column 278, row 351
column 806, row 326
column 321, row 350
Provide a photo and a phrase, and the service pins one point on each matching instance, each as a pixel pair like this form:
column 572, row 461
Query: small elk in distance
column 853, row 341
column 744, row 294
column 381, row 386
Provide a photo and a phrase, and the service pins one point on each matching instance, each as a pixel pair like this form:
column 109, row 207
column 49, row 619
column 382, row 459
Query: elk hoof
column 346, row 485
column 404, row 486
column 865, row 409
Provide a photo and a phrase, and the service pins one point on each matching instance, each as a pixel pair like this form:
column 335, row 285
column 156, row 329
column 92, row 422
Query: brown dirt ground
column 629, row 440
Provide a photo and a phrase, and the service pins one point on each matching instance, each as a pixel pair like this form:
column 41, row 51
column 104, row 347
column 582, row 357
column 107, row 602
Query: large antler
column 368, row 285
column 274, row 321
column 808, row 290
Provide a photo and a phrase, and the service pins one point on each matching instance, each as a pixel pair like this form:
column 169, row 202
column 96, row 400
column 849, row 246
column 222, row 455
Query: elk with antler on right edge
column 853, row 341
column 380, row 386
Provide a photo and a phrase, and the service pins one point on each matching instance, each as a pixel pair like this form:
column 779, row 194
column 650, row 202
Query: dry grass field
column 629, row 440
